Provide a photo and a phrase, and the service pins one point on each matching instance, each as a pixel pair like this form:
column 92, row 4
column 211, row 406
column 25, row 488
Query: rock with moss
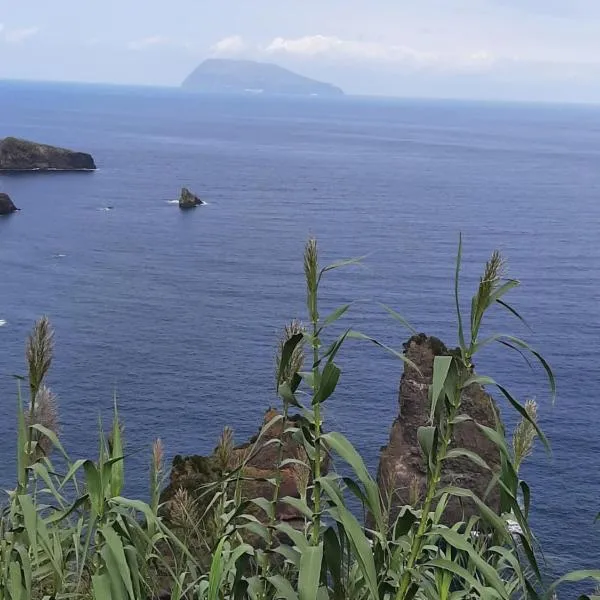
column 189, row 200
column 6, row 205
column 260, row 457
column 23, row 155
column 402, row 472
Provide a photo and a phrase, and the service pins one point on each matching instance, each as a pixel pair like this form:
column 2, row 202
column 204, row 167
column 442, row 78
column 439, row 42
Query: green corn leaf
column 309, row 575
column 479, row 379
column 357, row 335
column 115, row 545
column 513, row 312
column 360, row 544
column 283, row 588
column 101, row 586
column 286, row 393
column 30, row 519
column 265, row 505
column 455, row 569
column 51, row 436
column 465, row 453
column 131, row 555
column 461, row 335
column 404, row 522
column 399, row 318
column 497, row 438
column 459, row 542
column 346, row 451
column 290, row 554
column 524, row 346
column 286, row 354
column 308, row 378
column 502, row 290
column 22, row 458
column 94, row 486
column 441, row 366
column 427, row 437
column 339, row 264
column 299, row 505
column 71, row 472
column 117, row 474
column 216, row 571
column 329, row 379
column 335, row 315
column 296, row 536
column 496, row 522
column 574, row 577
column 334, row 558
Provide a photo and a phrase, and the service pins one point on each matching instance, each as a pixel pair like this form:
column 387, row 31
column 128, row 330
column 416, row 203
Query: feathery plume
column 524, row 435
column 44, row 412
column 38, row 352
column 311, row 272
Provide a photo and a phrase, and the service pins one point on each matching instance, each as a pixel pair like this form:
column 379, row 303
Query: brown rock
column 402, row 473
column 189, row 200
column 194, row 472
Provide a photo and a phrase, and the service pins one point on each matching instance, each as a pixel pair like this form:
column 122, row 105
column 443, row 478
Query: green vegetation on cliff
column 221, row 528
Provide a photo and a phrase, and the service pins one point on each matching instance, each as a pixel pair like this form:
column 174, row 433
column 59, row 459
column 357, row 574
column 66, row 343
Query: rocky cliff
column 402, row 472
column 22, row 155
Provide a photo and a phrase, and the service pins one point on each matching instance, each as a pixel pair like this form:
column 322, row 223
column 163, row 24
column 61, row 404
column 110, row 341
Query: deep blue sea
column 179, row 313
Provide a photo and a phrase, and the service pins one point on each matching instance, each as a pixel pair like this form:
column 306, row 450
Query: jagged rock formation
column 189, row 200
column 193, row 472
column 6, row 205
column 22, row 155
column 402, row 472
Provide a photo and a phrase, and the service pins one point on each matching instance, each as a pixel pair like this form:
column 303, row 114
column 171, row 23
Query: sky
column 494, row 49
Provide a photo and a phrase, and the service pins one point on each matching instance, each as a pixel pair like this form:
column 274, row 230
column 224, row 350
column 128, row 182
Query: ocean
column 178, row 313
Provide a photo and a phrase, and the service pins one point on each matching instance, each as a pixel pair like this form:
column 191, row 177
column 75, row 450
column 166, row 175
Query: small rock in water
column 189, row 200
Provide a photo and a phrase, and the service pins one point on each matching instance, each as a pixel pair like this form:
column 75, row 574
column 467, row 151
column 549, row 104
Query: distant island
column 222, row 76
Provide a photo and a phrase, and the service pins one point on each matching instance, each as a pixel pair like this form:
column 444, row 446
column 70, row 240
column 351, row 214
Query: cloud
column 350, row 51
column 149, row 42
column 229, row 46
column 16, row 36
column 313, row 46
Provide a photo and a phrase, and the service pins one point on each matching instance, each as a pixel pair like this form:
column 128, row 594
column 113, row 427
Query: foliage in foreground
column 67, row 532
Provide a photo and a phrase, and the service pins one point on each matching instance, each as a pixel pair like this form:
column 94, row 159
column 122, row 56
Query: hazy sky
column 522, row 49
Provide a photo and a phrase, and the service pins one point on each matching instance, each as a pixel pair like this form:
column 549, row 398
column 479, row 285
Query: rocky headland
column 18, row 155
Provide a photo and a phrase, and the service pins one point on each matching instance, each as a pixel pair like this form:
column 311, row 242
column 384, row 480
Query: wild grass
column 67, row 532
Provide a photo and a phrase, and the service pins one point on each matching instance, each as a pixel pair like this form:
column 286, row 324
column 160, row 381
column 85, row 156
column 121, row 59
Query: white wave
column 106, row 208
column 58, row 255
column 2, row 322
column 204, row 202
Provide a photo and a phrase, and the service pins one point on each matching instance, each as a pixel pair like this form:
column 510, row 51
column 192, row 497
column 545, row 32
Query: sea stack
column 17, row 155
column 6, row 205
column 401, row 468
column 189, row 200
